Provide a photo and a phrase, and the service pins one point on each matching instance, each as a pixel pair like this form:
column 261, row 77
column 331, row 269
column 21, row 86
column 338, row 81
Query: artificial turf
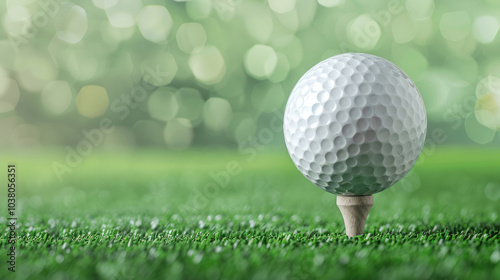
column 161, row 215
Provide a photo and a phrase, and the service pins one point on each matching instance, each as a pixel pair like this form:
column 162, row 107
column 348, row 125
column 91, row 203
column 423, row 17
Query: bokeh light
column 225, row 67
column 487, row 85
column 34, row 69
column 123, row 13
column 198, row 9
column 15, row 20
column 331, row 3
column 56, row 97
column 9, row 94
column 104, row 4
column 159, row 69
column 155, row 23
column 217, row 114
column 282, row 69
column 208, row 65
column 162, row 104
column 260, row 61
column 486, row 28
column 282, row 6
column 71, row 23
column 492, row 191
column 487, row 109
column 290, row 20
column 191, row 37
column 92, row 101
column 112, row 35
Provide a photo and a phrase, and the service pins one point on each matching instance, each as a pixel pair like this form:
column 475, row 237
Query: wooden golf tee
column 354, row 210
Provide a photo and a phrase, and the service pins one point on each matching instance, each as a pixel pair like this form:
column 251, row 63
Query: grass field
column 162, row 215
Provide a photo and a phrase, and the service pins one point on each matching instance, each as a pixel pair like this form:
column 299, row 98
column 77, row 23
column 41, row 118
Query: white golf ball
column 355, row 124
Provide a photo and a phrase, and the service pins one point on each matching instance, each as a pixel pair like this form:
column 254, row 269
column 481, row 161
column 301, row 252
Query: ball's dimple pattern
column 355, row 124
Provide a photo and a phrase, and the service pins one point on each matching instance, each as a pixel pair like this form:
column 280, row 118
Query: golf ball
column 354, row 124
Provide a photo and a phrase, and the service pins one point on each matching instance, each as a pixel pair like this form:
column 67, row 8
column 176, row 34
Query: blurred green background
column 204, row 73
column 126, row 119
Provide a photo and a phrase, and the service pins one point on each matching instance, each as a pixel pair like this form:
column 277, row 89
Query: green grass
column 141, row 216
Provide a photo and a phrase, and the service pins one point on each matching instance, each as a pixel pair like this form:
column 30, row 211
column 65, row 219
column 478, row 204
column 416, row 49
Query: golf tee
column 354, row 210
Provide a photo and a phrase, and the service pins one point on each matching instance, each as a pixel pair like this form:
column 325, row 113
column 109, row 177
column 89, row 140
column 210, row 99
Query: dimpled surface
column 355, row 124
